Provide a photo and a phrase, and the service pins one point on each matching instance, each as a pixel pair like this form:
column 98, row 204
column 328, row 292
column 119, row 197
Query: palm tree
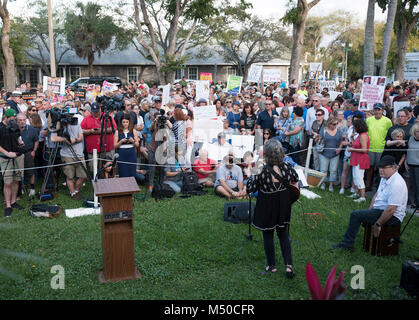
column 369, row 40
column 391, row 15
column 90, row 32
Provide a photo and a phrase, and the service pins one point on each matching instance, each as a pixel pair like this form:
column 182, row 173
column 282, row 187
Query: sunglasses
column 266, row 133
column 318, row 115
column 34, row 110
column 316, row 100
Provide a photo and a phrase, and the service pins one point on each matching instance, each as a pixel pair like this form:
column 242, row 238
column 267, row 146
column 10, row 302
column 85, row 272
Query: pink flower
column 333, row 290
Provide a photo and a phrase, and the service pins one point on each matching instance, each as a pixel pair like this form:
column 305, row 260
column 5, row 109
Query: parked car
column 81, row 82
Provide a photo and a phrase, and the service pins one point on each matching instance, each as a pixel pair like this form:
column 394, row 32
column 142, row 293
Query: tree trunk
column 90, row 60
column 391, row 15
column 9, row 75
column 402, row 42
column 297, row 49
column 369, row 40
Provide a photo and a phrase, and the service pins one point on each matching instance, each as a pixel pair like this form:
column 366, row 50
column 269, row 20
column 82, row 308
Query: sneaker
column 353, row 195
column 17, row 206
column 32, row 193
column 341, row 191
column 360, row 199
column 331, row 189
column 352, row 190
column 8, row 212
column 323, row 186
column 76, row 196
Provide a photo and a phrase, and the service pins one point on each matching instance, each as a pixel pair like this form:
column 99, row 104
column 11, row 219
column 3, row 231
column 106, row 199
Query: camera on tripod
column 59, row 118
column 109, row 104
column 162, row 119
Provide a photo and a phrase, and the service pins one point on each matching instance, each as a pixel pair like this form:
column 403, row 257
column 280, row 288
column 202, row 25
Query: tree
column 391, row 15
column 369, row 40
column 405, row 23
column 90, row 32
column 36, row 29
column 297, row 16
column 8, row 65
column 165, row 29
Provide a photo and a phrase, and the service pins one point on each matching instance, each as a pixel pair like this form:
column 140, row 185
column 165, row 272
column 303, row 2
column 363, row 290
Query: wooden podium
column 117, row 228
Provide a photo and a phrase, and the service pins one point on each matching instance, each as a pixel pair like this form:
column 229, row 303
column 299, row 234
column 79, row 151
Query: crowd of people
column 155, row 142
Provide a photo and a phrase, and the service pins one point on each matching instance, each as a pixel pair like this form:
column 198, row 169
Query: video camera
column 109, row 104
column 161, row 119
column 59, row 119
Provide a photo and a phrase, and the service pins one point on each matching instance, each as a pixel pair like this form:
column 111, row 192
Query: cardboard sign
column 205, row 113
column 109, row 86
column 254, row 73
column 81, row 94
column 234, row 84
column 330, row 85
column 373, row 90
column 207, row 130
column 205, row 76
column 166, row 94
column 398, row 105
column 202, row 89
column 241, row 144
column 56, row 85
column 315, row 70
column 271, row 75
column 29, row 95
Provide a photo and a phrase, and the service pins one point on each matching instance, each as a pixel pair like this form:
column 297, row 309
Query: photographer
column 71, row 139
column 11, row 159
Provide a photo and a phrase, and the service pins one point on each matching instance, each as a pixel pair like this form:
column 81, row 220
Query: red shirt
column 92, row 141
column 208, row 166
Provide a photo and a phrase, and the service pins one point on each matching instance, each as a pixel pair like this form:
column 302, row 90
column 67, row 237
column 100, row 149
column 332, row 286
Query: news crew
column 11, row 159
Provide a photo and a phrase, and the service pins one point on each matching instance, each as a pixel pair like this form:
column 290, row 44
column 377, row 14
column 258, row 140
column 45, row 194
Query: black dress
column 273, row 207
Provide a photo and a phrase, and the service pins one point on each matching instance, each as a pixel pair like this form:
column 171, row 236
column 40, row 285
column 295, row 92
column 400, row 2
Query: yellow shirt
column 377, row 131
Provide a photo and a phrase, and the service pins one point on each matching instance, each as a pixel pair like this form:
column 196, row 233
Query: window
column 231, row 71
column 33, row 77
column 193, row 73
column 60, row 72
column 132, row 74
column 1, row 79
column 180, row 73
column 74, row 73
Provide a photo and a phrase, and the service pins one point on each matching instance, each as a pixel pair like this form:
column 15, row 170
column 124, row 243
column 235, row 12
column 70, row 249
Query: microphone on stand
column 114, row 160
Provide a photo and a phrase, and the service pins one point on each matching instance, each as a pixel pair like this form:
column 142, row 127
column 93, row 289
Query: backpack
column 45, row 211
column 190, row 184
column 161, row 191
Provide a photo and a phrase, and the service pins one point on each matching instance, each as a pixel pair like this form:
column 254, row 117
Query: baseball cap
column 221, row 135
column 386, row 160
column 16, row 94
column 157, row 99
column 202, row 100
column 258, row 94
column 237, row 103
column 10, row 113
column 95, row 107
column 86, row 107
column 378, row 106
column 354, row 102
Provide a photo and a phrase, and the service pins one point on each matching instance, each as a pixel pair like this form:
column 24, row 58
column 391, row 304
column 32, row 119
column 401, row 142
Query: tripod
column 103, row 134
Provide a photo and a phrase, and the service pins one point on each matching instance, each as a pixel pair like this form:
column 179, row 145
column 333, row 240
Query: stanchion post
column 95, row 199
column 310, row 147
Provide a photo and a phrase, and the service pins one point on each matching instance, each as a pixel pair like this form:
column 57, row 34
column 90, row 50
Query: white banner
column 205, row 113
column 372, row 91
column 271, row 75
column 207, row 130
column 330, row 85
column 254, row 73
column 166, row 94
column 202, row 89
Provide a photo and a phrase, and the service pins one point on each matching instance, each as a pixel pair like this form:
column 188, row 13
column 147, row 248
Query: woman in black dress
column 273, row 207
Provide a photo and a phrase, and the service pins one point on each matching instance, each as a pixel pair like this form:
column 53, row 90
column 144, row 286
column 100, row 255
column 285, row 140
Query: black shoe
column 290, row 274
column 342, row 247
column 8, row 212
column 17, row 206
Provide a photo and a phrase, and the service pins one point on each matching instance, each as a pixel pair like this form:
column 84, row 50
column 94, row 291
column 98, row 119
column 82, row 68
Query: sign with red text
column 372, row 91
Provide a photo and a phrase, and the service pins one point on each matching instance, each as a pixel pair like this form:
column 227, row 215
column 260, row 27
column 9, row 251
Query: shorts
column 29, row 162
column 203, row 180
column 374, row 158
column 14, row 167
column 236, row 189
column 74, row 170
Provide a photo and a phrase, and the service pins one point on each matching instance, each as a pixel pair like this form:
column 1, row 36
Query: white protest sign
column 205, row 113
column 398, row 105
column 166, row 94
column 206, row 130
column 202, row 89
column 56, row 85
column 315, row 69
column 330, row 85
column 241, row 144
column 373, row 90
column 271, row 75
column 334, row 94
column 254, row 73
column 217, row 152
column 108, row 86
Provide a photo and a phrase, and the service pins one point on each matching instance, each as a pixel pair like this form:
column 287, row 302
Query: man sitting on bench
column 387, row 207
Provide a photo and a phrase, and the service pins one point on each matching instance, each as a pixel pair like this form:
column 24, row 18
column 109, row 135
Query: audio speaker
column 238, row 212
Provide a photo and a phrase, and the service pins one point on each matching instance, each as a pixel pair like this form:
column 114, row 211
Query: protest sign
column 202, row 89
column 372, row 90
column 56, row 85
column 205, row 113
column 271, row 75
column 81, row 94
column 334, row 94
column 315, row 69
column 398, row 105
column 330, row 85
column 207, row 130
column 234, row 84
column 108, row 86
column 166, row 94
column 29, row 95
column 254, row 73
column 205, row 76
column 241, row 144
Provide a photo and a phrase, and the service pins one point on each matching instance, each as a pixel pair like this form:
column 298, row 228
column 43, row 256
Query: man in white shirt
column 311, row 112
column 387, row 207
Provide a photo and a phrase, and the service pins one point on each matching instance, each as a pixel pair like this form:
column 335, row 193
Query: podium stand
column 117, row 228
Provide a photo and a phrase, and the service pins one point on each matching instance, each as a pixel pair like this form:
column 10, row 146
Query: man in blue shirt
column 354, row 109
column 387, row 207
column 266, row 118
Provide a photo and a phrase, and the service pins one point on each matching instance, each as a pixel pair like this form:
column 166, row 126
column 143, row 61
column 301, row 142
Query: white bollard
column 95, row 198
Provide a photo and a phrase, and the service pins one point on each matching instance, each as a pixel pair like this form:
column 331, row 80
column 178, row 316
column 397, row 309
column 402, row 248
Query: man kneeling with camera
column 11, row 159
column 71, row 139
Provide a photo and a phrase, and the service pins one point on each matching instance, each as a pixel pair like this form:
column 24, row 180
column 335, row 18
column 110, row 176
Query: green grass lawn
column 185, row 250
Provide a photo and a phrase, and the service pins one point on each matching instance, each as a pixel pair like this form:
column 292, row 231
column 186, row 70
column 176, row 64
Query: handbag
column 319, row 147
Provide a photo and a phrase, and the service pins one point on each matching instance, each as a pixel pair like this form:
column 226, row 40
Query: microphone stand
column 249, row 236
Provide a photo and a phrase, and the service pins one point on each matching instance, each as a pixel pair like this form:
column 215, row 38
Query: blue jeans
column 329, row 165
column 176, row 186
column 363, row 216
